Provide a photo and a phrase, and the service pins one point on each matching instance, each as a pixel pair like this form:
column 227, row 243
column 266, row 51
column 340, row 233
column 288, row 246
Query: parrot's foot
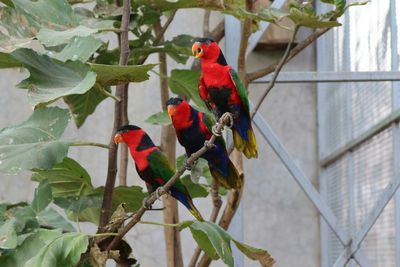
column 159, row 192
column 215, row 130
column 228, row 118
column 208, row 145
column 188, row 166
column 146, row 204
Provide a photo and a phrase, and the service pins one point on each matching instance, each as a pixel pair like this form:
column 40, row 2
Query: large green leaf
column 7, row 61
column 79, row 204
column 8, row 236
column 49, row 37
column 51, row 217
column 216, row 242
column 82, row 106
column 159, row 118
column 51, row 14
column 7, row 2
column 42, row 196
column 29, row 248
column 67, row 178
column 51, row 79
column 309, row 20
column 79, row 48
column 64, row 251
column 35, row 142
column 115, row 74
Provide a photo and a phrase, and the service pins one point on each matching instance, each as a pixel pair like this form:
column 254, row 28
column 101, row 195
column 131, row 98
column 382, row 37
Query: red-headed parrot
column 193, row 128
column 222, row 91
column 152, row 165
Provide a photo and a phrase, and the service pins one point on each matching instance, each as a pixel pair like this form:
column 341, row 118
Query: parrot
column 193, row 129
column 222, row 91
column 152, row 165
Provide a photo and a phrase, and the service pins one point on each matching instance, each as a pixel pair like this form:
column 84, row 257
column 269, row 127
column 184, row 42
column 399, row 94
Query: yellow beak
column 170, row 110
column 118, row 139
column 197, row 51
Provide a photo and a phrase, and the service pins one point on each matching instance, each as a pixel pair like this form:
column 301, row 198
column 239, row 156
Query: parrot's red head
column 179, row 110
column 208, row 50
column 133, row 136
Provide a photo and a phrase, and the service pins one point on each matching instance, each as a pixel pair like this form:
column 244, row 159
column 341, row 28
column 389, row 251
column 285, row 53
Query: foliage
column 64, row 48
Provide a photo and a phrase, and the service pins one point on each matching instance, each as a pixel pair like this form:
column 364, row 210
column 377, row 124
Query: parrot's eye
column 199, row 50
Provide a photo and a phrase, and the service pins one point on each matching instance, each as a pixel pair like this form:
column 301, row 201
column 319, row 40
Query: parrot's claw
column 146, row 204
column 208, row 145
column 228, row 116
column 215, row 130
column 188, row 166
column 159, row 192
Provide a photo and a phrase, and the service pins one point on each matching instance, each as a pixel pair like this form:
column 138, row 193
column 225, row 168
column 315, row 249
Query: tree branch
column 112, row 154
column 277, row 71
column 160, row 32
column 296, row 50
column 206, row 23
column 224, row 120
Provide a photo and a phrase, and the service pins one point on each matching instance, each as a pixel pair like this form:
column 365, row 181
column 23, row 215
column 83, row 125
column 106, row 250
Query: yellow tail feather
column 232, row 181
column 196, row 213
column 249, row 148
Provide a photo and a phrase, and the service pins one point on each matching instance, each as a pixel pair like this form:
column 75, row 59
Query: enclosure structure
column 359, row 137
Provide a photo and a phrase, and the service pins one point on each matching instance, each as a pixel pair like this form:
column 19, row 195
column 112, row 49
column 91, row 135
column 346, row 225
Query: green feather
column 161, row 166
column 240, row 88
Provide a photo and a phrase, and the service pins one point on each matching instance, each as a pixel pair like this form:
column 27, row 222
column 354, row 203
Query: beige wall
column 276, row 214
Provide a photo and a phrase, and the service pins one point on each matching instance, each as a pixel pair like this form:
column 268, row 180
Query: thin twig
column 160, row 34
column 277, row 71
column 112, row 153
column 296, row 50
column 224, row 120
column 82, row 143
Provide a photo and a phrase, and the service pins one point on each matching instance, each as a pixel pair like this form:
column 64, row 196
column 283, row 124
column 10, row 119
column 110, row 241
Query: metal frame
column 352, row 243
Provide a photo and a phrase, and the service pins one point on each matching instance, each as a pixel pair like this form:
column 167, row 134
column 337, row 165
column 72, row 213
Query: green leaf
column 78, row 204
column 132, row 196
column 49, row 37
column 213, row 240
column 51, row 79
column 51, row 14
column 159, row 118
column 7, row 3
column 64, row 251
column 8, row 236
column 87, row 215
column 195, row 190
column 7, row 61
column 35, row 142
column 82, row 106
column 185, row 83
column 257, row 254
column 114, row 74
column 29, row 248
column 303, row 19
column 67, row 178
column 50, row 217
column 42, row 196
column 79, row 48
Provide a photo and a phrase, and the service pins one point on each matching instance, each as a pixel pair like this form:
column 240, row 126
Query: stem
column 206, row 23
column 224, row 120
column 160, row 32
column 112, row 153
column 277, row 71
column 108, row 94
column 81, row 143
column 296, row 50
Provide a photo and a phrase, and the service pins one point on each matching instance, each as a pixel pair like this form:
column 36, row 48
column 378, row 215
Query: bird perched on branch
column 222, row 91
column 152, row 165
column 193, row 129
